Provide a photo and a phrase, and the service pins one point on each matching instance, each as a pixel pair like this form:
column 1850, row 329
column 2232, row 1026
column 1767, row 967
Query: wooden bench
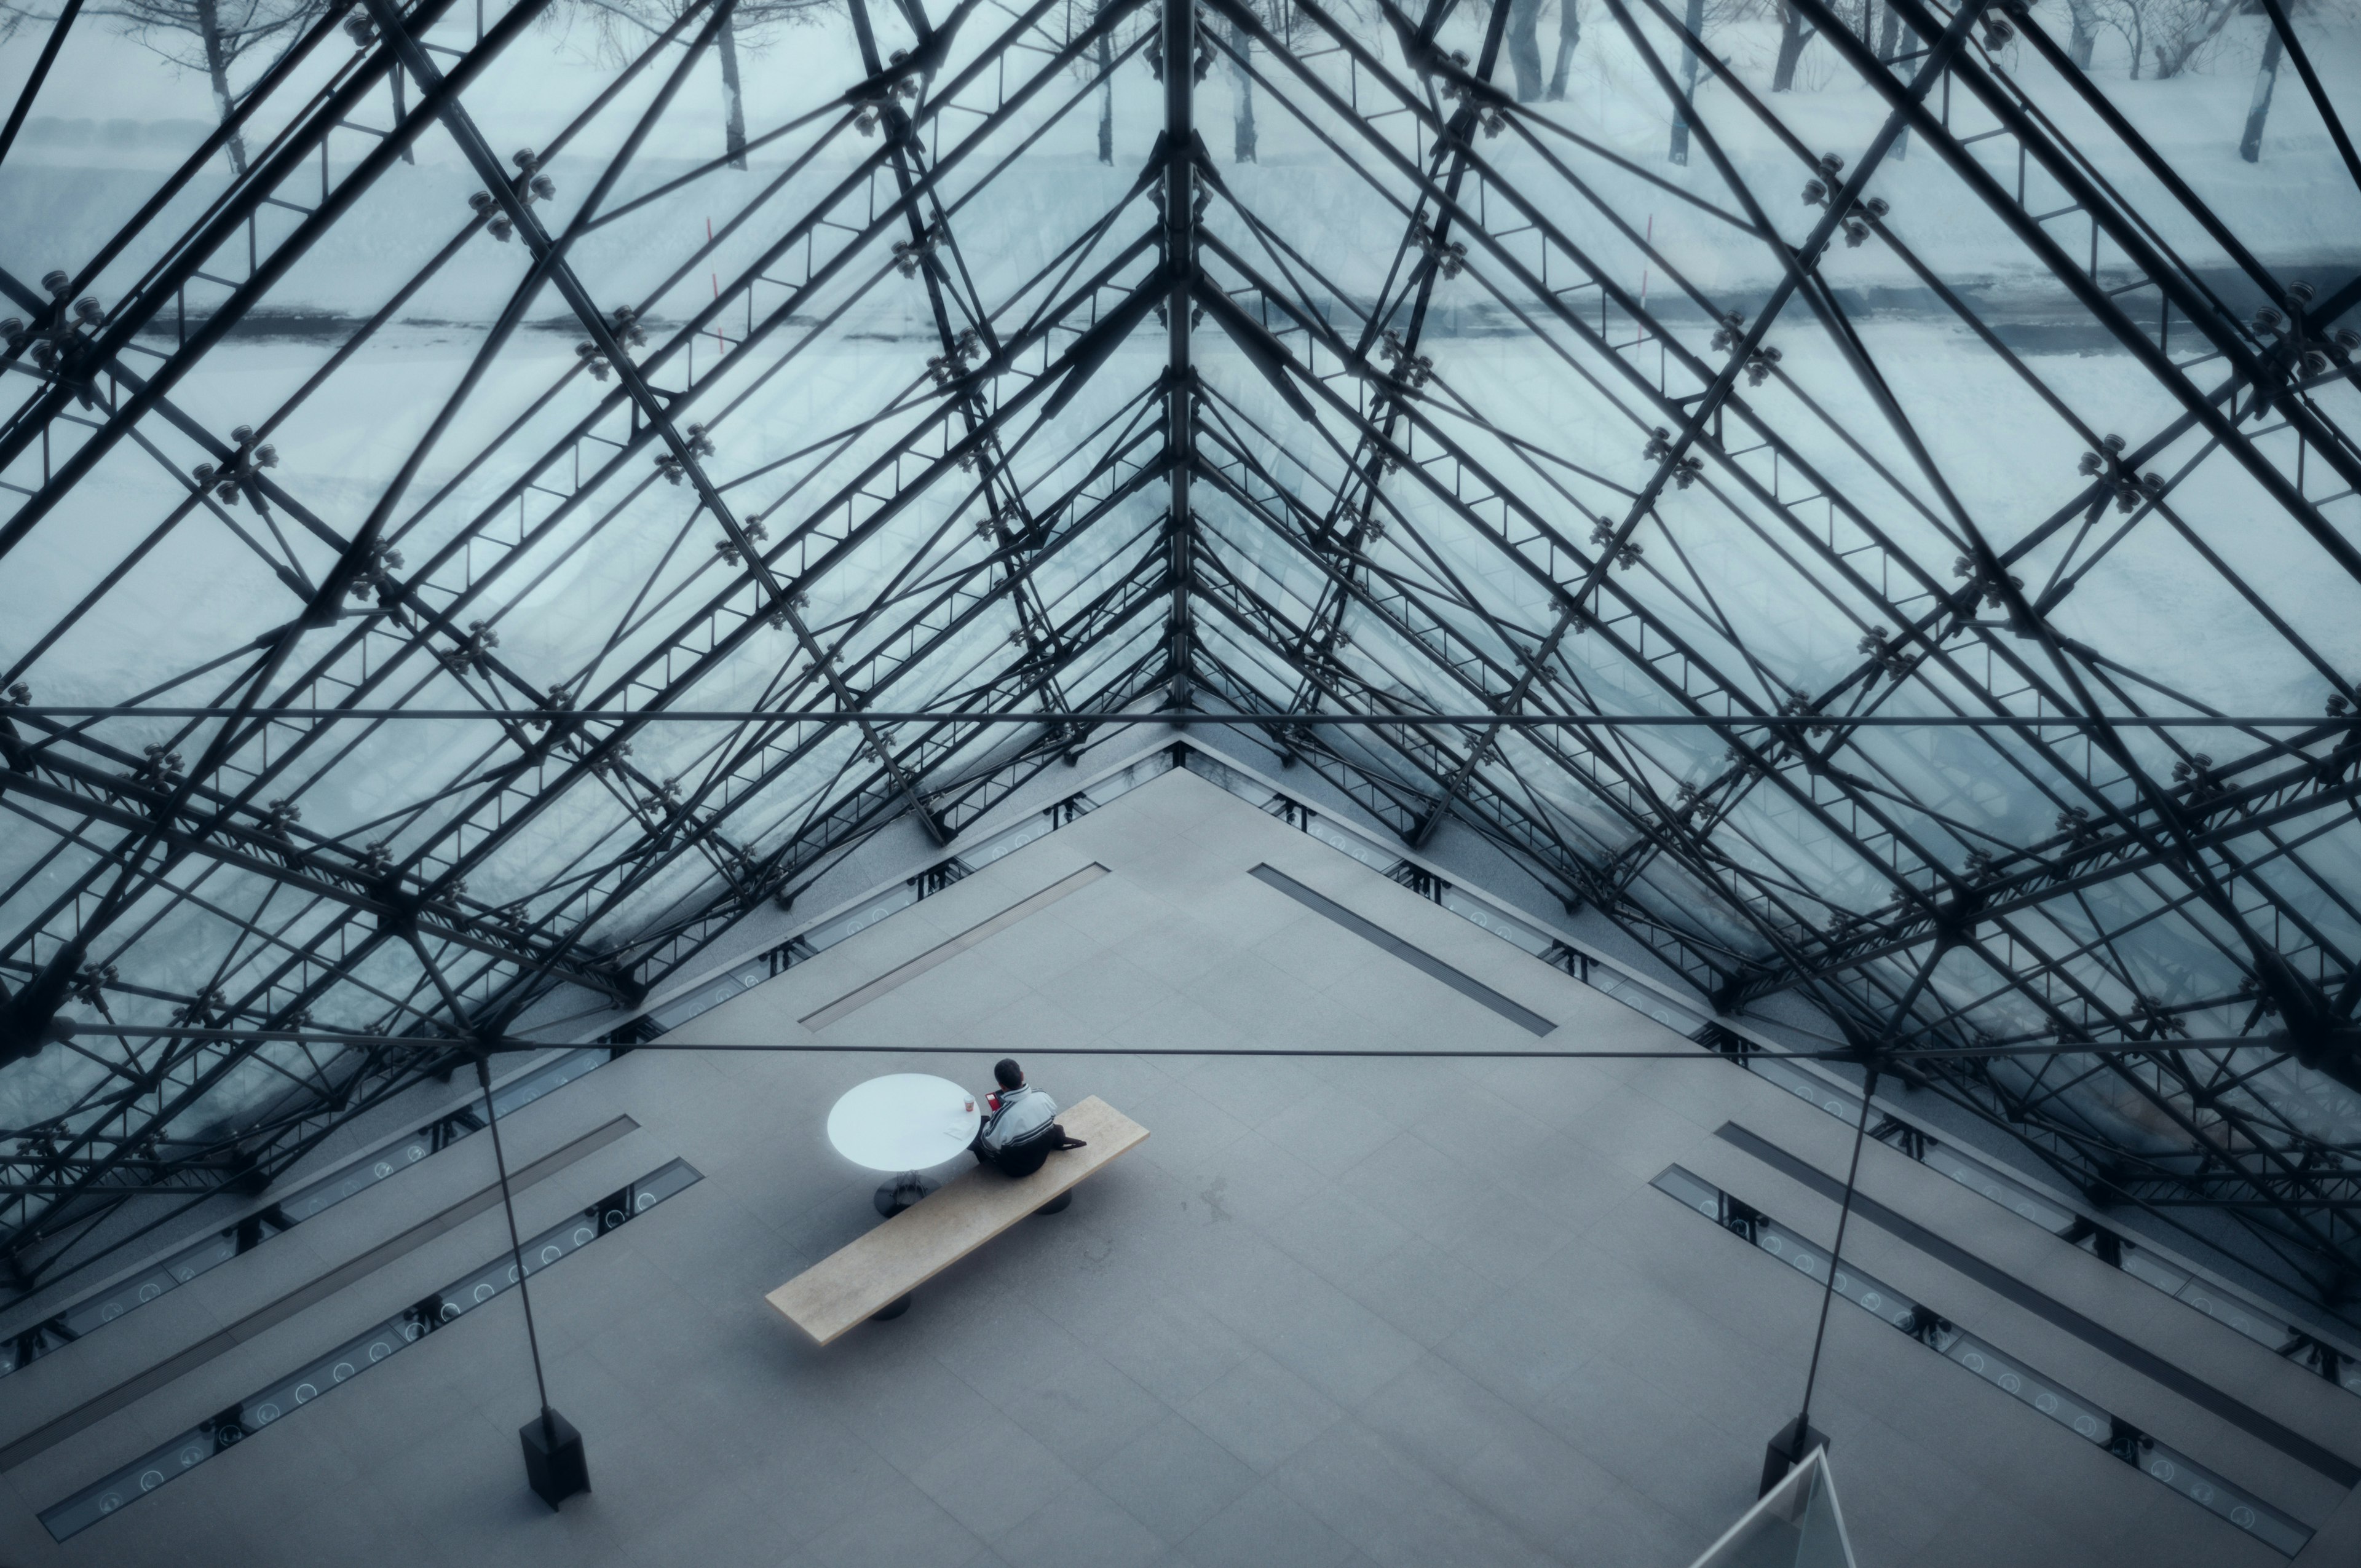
column 879, row 1271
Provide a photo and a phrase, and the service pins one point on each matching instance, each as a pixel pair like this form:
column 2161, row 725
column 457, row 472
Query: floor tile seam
column 1259, row 1474
column 2060, row 1317
column 1456, row 1480
column 1008, row 1415
column 1274, row 1348
column 1392, row 1451
column 1085, row 1479
column 1527, row 1399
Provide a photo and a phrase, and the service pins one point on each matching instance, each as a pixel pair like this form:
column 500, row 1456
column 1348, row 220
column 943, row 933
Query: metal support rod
column 56, row 41
column 1836, row 1256
column 516, row 1246
column 513, row 197
column 1179, row 41
column 2320, row 728
column 1832, row 1054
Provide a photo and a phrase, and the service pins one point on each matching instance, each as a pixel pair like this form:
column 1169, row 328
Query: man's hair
column 1009, row 1074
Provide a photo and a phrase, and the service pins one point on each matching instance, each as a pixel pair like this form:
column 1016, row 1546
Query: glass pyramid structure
column 470, row 535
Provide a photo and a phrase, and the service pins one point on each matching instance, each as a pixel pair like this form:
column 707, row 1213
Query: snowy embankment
column 71, row 183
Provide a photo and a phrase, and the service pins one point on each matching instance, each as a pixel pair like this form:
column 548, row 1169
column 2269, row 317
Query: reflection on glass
column 1797, row 1524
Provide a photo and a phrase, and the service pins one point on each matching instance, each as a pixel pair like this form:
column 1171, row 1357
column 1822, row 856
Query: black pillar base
column 553, row 1461
column 1786, row 1451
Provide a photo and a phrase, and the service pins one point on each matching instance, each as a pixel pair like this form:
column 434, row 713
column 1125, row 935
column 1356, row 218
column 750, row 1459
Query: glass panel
column 1795, row 1525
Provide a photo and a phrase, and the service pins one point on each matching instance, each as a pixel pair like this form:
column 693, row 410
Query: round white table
column 904, row 1122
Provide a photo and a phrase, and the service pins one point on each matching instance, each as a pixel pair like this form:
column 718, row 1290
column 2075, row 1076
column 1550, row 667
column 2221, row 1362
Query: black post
column 1793, row 1441
column 1179, row 42
column 554, row 1464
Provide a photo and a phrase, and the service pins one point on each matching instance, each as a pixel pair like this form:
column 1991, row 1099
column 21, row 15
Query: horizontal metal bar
column 2349, row 723
column 1703, row 1053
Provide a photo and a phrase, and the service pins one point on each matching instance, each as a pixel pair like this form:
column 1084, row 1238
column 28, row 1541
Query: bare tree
column 2195, row 24
column 624, row 25
column 2171, row 33
column 210, row 36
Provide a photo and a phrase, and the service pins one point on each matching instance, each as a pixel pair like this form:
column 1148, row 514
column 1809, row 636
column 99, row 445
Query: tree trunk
column 1525, row 48
column 2178, row 51
column 1242, row 126
column 402, row 112
column 1569, row 33
column 733, row 102
column 217, row 69
column 1793, row 37
column 1889, row 40
column 2266, row 78
column 1696, row 22
column 1106, row 97
column 2085, row 36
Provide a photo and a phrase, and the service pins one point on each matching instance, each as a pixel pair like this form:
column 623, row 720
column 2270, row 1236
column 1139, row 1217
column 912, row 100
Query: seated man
column 1019, row 1126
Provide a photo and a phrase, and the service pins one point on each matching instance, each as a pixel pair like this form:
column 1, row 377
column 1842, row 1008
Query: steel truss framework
column 1205, row 448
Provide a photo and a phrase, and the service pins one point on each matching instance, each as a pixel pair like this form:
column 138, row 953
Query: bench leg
column 891, row 1311
column 1059, row 1205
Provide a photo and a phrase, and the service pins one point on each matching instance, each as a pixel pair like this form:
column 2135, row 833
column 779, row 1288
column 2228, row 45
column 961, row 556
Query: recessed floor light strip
column 60, row 1329
column 2098, row 1336
column 1416, row 957
column 852, row 1002
column 192, row 1448
column 2273, row 1333
column 2165, row 1465
column 140, row 1384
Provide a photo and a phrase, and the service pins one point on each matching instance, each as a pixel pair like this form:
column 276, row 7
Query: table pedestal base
column 905, row 1190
